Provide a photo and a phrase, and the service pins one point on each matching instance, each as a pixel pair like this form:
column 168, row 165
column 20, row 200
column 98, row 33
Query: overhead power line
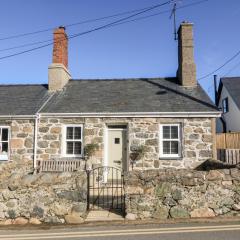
column 90, row 31
column 74, row 24
column 231, row 69
column 220, row 67
column 124, row 22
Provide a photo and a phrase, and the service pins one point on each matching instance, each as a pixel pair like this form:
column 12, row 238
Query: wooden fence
column 229, row 156
column 60, row 165
column 228, row 147
column 228, row 140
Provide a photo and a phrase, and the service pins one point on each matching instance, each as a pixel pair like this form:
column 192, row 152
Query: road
column 190, row 231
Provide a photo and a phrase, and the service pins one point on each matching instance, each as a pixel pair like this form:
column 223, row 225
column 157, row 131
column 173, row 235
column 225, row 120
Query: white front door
column 117, row 148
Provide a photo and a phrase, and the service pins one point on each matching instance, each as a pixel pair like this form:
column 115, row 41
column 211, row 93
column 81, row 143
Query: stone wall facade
column 163, row 194
column 197, row 137
column 196, row 134
column 50, row 137
column 21, row 139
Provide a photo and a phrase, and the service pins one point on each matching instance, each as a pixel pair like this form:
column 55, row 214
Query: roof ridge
column 122, row 79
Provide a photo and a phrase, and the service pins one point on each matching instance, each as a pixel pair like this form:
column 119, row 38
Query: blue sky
column 140, row 49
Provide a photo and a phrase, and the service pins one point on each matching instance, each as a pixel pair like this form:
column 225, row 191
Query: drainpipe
column 224, row 124
column 215, row 89
column 37, row 118
column 35, row 142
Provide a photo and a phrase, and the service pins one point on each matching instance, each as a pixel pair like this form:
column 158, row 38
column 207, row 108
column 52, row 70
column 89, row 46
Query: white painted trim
column 161, row 155
column 35, row 142
column 114, row 129
column 64, row 135
column 105, row 140
column 9, row 143
column 17, row 116
column 105, row 160
column 135, row 114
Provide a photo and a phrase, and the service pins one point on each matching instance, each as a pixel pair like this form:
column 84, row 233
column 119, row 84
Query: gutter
column 17, row 117
column 135, row 114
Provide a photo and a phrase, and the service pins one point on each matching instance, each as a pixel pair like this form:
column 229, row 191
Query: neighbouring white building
column 228, row 100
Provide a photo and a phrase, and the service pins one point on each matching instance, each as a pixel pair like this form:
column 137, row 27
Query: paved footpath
column 190, row 231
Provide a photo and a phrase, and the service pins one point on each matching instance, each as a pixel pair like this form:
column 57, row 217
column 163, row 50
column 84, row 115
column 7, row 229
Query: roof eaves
column 136, row 114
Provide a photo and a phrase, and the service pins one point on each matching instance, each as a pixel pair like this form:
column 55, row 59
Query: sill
column 170, row 158
column 73, row 157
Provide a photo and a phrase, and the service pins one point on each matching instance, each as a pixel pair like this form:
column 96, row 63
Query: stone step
column 103, row 215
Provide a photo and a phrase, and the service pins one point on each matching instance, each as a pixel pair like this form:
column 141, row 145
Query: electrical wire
column 220, row 67
column 133, row 20
column 89, row 31
column 74, row 24
column 231, row 69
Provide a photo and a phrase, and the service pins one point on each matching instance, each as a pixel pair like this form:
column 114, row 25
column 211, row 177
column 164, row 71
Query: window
column 4, row 143
column 117, row 140
column 170, row 144
column 73, row 140
column 225, row 105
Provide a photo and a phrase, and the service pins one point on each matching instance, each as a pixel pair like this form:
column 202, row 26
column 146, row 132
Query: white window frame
column 8, row 153
column 64, row 140
column 225, row 109
column 161, row 139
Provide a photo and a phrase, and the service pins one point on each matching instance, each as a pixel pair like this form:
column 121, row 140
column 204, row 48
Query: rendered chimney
column 186, row 65
column 58, row 75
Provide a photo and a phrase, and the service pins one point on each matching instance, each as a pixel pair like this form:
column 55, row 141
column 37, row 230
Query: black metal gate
column 106, row 189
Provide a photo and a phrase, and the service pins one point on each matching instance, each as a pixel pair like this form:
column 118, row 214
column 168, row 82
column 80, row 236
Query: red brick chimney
column 60, row 46
column 58, row 74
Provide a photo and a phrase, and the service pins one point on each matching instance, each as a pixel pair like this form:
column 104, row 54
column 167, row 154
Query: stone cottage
column 171, row 121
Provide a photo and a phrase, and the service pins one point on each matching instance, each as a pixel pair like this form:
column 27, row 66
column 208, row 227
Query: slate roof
column 128, row 95
column 232, row 84
column 22, row 99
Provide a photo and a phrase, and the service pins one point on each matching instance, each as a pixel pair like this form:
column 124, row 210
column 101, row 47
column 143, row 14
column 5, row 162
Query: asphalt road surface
column 190, row 231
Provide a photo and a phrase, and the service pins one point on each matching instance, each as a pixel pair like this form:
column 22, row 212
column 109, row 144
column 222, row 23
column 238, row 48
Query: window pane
column 4, row 134
column 4, row 147
column 69, row 132
column 225, row 105
column 166, row 147
column 174, row 147
column 166, row 132
column 77, row 132
column 69, row 147
column 174, row 132
column 78, row 148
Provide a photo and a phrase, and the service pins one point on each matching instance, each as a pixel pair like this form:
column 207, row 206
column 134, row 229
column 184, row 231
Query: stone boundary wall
column 43, row 198
column 163, row 194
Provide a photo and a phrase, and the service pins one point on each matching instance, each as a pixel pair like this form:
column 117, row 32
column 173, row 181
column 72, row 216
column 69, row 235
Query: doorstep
column 104, row 215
